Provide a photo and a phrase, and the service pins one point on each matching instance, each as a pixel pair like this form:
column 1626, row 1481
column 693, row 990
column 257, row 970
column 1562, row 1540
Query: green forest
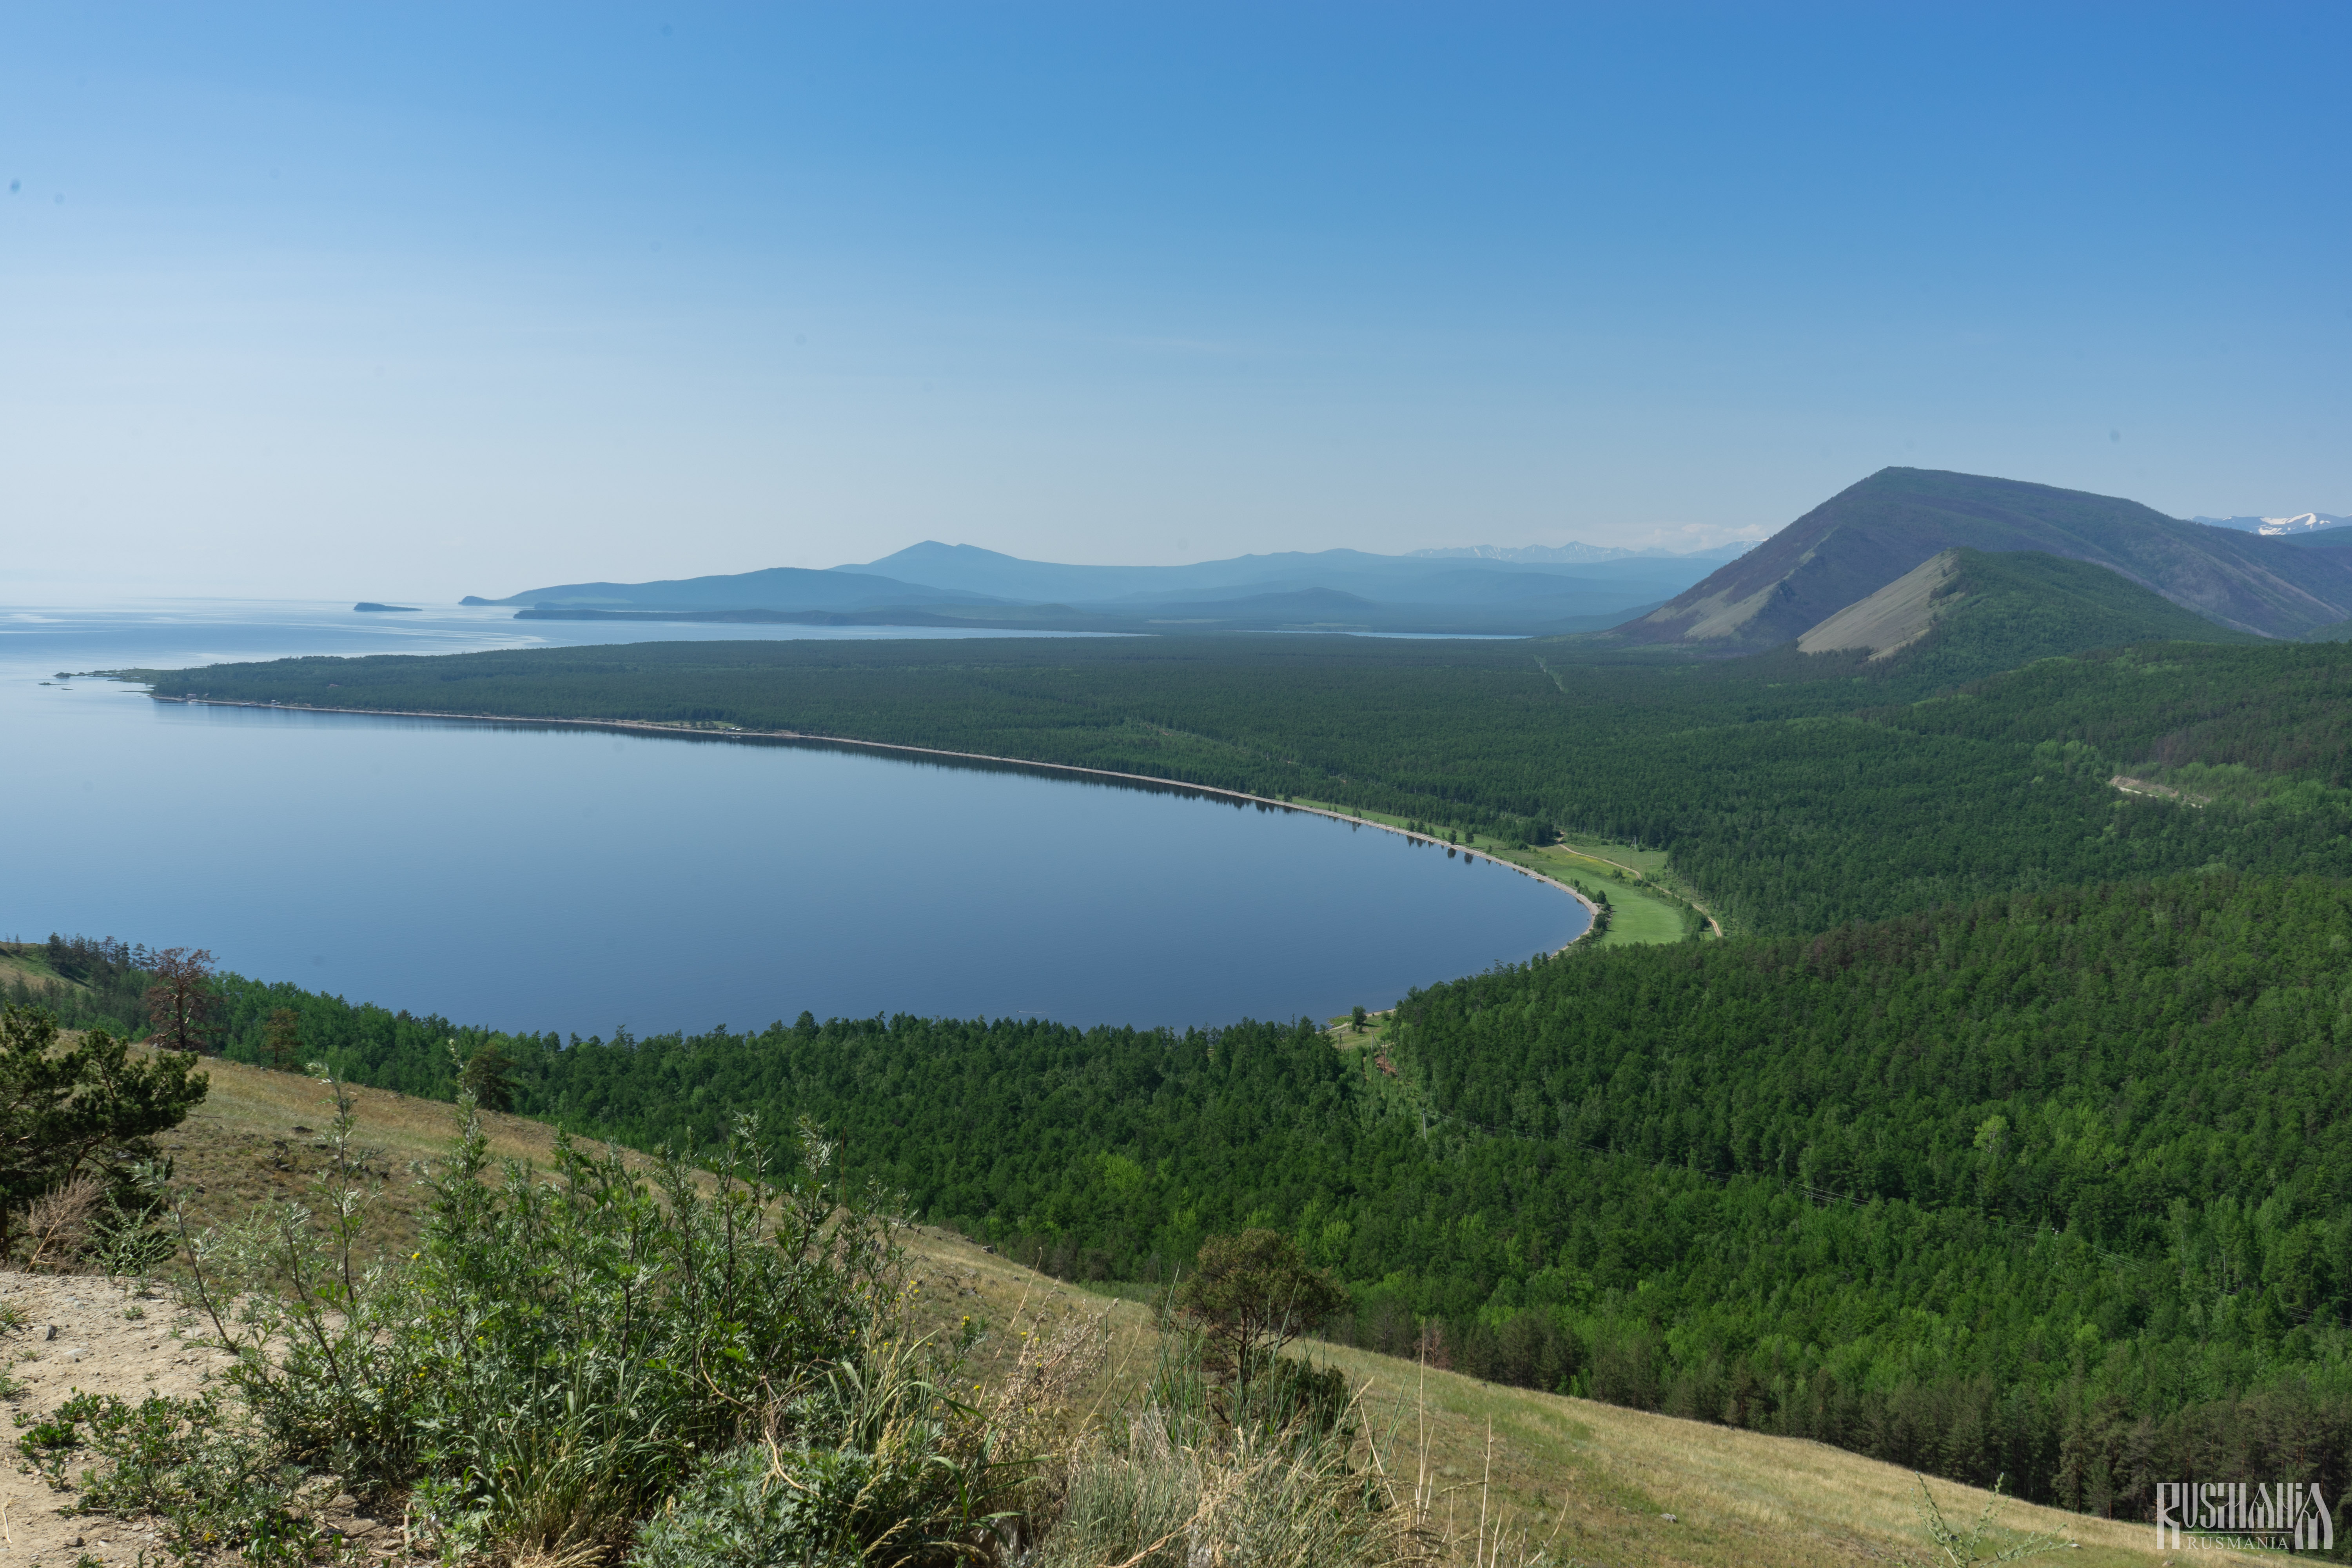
column 2005, row 1135
column 2055, row 1185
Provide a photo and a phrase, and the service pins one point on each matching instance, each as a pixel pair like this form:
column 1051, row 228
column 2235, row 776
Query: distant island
column 370, row 608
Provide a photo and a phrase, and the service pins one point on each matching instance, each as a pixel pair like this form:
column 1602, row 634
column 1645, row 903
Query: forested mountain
column 1868, row 535
column 1993, row 612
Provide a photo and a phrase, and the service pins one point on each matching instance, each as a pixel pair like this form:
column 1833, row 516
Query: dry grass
column 259, row 1137
column 1596, row 1481
column 57, row 1223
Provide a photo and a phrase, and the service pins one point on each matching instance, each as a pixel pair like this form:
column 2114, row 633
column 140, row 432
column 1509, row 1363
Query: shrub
column 566, row 1347
column 761, row 1504
column 1251, row 1295
column 85, row 1111
column 191, row 1463
column 1273, row 1480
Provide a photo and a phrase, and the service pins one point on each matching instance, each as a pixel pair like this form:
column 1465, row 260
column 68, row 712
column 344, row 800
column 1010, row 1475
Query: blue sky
column 423, row 301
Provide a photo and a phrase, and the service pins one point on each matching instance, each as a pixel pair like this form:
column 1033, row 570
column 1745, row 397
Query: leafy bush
column 762, row 1504
column 191, row 1463
column 568, row 1346
column 879, row 1465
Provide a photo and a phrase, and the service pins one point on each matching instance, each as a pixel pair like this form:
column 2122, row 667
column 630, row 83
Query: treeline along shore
column 735, row 732
column 2005, row 1133
column 1795, row 792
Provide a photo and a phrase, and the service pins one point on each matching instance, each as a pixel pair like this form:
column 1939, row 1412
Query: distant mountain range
column 1873, row 560
column 1869, row 536
column 1575, row 553
column 777, row 587
column 1419, row 579
column 1343, row 590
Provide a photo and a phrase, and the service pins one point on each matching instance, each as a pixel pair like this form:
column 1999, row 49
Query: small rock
column 52, row 1334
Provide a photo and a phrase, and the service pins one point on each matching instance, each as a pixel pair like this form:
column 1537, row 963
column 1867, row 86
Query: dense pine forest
column 2057, row 1185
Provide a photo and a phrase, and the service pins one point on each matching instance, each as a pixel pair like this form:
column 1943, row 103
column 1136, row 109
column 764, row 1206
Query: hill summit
column 1865, row 538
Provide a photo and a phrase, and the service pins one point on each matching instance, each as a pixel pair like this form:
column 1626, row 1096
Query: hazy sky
column 384, row 300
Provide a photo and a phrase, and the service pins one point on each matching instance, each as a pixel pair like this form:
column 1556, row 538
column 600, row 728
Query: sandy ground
column 78, row 1338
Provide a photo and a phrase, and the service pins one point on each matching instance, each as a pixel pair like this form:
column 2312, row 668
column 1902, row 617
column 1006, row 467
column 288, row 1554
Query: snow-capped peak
column 2278, row 527
column 2302, row 522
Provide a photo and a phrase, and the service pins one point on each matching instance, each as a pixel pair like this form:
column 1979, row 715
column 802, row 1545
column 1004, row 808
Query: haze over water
column 537, row 878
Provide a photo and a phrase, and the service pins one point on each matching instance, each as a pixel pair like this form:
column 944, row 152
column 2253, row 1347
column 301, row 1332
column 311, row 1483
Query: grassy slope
column 26, row 960
column 2015, row 608
column 1641, row 913
column 1602, row 1476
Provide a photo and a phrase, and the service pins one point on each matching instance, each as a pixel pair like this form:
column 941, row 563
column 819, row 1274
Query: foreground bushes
column 690, row 1369
column 568, row 1349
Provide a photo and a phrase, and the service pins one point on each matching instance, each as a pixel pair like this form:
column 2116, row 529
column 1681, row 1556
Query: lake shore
column 726, row 732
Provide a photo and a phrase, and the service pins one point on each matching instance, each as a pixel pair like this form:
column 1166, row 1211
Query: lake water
column 528, row 878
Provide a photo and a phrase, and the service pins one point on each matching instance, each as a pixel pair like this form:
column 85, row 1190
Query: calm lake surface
column 573, row 879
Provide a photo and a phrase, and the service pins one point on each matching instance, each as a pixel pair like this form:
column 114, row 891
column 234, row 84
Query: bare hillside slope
column 1872, row 534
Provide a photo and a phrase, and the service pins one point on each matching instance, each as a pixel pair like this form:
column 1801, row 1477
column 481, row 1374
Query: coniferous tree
column 1253, row 1294
column 89, row 1107
column 281, row 1040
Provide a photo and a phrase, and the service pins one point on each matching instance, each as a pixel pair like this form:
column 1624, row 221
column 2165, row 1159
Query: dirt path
column 82, row 1337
